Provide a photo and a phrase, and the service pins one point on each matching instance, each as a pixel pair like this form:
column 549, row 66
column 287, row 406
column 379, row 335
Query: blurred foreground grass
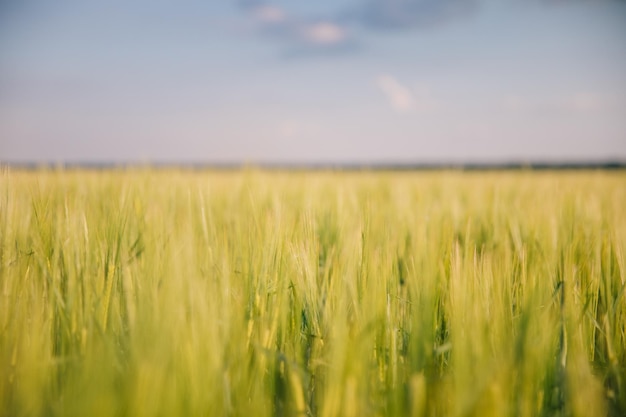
column 251, row 293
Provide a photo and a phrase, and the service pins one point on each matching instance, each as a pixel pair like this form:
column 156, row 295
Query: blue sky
column 302, row 81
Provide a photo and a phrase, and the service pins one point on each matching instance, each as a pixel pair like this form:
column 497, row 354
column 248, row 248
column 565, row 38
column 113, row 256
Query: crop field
column 273, row 293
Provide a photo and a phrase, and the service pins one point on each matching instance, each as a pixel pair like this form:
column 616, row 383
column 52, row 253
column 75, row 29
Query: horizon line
column 615, row 164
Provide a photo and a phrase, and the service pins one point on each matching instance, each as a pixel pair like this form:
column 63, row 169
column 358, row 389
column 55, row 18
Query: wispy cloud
column 324, row 33
column 399, row 96
column 306, row 35
column 269, row 14
column 339, row 31
column 302, row 35
column 404, row 98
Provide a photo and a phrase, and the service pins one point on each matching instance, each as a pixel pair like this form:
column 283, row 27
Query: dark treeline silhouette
column 323, row 166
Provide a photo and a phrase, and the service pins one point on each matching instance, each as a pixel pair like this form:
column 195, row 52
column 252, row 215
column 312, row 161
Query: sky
column 300, row 81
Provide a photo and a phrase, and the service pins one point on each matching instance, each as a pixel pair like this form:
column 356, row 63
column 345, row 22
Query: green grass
column 251, row 293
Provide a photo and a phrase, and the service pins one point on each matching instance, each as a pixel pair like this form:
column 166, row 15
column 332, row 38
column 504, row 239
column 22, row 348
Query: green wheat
column 254, row 293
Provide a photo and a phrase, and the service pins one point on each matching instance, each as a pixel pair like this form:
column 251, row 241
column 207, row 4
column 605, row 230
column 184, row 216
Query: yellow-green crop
column 252, row 293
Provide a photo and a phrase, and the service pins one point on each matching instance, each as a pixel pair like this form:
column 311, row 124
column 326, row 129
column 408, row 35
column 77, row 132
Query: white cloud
column 270, row 14
column 399, row 96
column 324, row 33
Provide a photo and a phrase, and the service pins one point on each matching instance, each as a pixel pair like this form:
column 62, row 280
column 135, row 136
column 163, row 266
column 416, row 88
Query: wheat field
column 144, row 292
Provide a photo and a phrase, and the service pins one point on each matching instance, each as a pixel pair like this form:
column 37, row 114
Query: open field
column 254, row 293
